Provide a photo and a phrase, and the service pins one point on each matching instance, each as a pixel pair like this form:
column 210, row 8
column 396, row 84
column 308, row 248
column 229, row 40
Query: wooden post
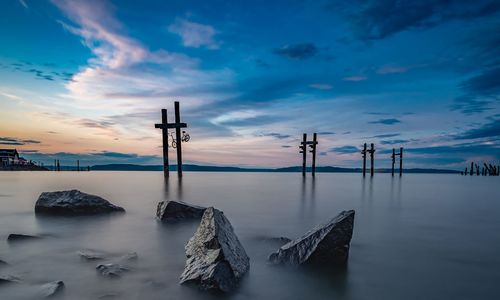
column 401, row 161
column 58, row 166
column 78, row 165
column 364, row 160
column 304, row 152
column 55, row 165
column 471, row 168
column 372, row 152
column 164, row 121
column 88, row 168
column 178, row 138
column 313, row 171
column 393, row 161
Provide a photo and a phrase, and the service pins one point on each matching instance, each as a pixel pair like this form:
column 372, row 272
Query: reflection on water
column 416, row 237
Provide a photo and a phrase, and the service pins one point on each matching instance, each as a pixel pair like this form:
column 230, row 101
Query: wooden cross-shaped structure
column 393, row 156
column 303, row 149
column 164, row 126
column 372, row 160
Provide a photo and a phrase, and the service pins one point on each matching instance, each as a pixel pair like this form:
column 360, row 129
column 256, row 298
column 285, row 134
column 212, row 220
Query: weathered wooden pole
column 313, row 171
column 55, row 165
column 164, row 121
column 477, row 169
column 364, row 159
column 304, row 152
column 58, row 166
column 393, row 161
column 178, row 138
column 401, row 161
column 372, row 163
column 78, row 165
column 471, row 168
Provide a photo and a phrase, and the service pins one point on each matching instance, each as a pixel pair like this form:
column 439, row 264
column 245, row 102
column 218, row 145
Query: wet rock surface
column 326, row 244
column 73, row 202
column 111, row 270
column 3, row 263
column 216, row 258
column 172, row 211
column 51, row 289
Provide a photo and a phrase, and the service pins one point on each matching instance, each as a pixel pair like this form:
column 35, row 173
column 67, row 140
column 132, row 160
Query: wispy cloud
column 355, row 78
column 321, row 86
column 297, row 51
column 193, row 34
column 390, row 121
column 17, row 141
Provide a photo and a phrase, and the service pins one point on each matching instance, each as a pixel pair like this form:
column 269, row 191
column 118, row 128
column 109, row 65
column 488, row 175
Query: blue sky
column 86, row 80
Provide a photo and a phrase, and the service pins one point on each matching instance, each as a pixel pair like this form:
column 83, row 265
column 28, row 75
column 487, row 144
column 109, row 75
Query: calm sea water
column 416, row 237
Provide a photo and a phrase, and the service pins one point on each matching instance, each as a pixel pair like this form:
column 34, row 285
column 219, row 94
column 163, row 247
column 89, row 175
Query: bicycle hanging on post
column 185, row 138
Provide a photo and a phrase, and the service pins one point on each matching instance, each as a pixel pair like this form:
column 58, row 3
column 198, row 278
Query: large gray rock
column 325, row 244
column 216, row 258
column 171, row 211
column 73, row 202
column 3, row 263
column 51, row 289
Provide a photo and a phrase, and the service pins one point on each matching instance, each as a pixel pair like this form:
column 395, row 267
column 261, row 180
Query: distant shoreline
column 294, row 169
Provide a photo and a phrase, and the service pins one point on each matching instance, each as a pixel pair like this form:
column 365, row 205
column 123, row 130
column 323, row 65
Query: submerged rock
column 73, row 202
column 7, row 279
column 15, row 237
column 129, row 256
column 325, row 244
column 216, row 258
column 51, row 289
column 90, row 254
column 168, row 211
column 111, row 270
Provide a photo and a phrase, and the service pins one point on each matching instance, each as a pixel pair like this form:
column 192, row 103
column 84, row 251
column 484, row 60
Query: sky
column 87, row 79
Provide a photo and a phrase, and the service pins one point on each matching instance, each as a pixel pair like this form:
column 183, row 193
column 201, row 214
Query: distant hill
column 295, row 169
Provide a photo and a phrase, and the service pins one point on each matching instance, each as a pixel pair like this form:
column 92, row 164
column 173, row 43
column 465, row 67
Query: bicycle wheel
column 174, row 144
column 186, row 138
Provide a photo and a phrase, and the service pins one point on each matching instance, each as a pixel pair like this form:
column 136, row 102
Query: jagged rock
column 325, row 244
column 171, row 211
column 3, row 263
column 7, row 279
column 111, row 270
column 73, row 202
column 51, row 289
column 216, row 258
column 90, row 254
column 15, row 237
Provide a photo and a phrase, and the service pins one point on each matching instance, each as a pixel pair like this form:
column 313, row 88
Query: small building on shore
column 9, row 157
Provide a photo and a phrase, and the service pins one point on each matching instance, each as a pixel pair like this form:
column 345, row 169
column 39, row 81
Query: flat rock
column 51, row 289
column 73, row 202
column 171, row 211
column 326, row 244
column 15, row 237
column 216, row 258
column 7, row 279
column 111, row 270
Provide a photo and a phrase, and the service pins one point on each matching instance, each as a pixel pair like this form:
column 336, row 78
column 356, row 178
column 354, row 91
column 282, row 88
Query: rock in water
column 73, row 202
column 111, row 270
column 176, row 211
column 51, row 289
column 90, row 254
column 216, row 258
column 15, row 237
column 3, row 263
column 6, row 279
column 325, row 244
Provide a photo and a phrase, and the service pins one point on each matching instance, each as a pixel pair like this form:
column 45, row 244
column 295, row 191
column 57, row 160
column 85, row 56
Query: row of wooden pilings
column 57, row 166
column 486, row 170
column 313, row 146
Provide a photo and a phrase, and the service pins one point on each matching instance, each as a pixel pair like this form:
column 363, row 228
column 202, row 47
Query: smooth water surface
column 415, row 237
